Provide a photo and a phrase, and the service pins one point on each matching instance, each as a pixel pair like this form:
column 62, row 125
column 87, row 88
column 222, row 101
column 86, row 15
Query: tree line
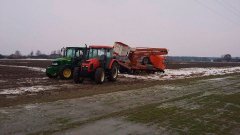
column 34, row 55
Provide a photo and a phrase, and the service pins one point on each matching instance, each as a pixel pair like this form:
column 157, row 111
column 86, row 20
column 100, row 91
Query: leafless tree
column 38, row 53
column 17, row 53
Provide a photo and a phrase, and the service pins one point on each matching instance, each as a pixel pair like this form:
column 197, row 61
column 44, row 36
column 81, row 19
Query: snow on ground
column 22, row 90
column 172, row 74
column 30, row 68
column 2, row 81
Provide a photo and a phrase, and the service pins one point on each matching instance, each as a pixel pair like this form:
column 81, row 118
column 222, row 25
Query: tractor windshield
column 74, row 52
column 97, row 52
column 70, row 52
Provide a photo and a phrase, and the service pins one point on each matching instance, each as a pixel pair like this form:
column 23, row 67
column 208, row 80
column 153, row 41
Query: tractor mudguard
column 111, row 63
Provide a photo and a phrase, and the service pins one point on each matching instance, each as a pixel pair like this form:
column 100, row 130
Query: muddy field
column 62, row 107
column 170, row 65
column 24, row 81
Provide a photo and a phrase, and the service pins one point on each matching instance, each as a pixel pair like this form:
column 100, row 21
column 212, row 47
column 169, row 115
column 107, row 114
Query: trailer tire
column 76, row 76
column 66, row 73
column 113, row 73
column 99, row 75
column 146, row 61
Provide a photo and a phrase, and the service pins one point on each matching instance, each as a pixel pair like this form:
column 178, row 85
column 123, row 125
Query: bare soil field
column 31, row 103
column 21, row 83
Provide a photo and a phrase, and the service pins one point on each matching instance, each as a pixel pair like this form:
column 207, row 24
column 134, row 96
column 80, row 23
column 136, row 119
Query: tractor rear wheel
column 66, row 73
column 99, row 75
column 76, row 76
column 113, row 74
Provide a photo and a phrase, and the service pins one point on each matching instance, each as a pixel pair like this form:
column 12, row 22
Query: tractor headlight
column 85, row 68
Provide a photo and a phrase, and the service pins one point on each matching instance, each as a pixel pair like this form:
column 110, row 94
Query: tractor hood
column 60, row 61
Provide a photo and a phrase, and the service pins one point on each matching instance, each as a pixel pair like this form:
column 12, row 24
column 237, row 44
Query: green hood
column 63, row 60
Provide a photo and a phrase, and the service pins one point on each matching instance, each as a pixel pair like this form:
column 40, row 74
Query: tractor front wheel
column 66, row 73
column 76, row 76
column 99, row 75
column 113, row 74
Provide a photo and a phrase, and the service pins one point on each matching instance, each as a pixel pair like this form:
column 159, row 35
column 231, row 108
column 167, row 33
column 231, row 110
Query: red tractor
column 100, row 63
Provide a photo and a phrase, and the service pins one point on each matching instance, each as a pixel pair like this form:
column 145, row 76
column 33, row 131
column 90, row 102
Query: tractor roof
column 100, row 47
column 76, row 47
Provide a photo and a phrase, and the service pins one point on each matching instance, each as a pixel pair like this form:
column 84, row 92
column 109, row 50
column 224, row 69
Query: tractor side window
column 101, row 52
column 77, row 53
column 109, row 53
column 93, row 53
column 70, row 53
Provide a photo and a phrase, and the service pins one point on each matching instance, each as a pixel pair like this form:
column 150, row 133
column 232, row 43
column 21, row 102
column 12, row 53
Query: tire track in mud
column 53, row 116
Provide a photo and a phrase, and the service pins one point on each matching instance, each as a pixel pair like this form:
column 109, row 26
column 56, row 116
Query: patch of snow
column 2, row 81
column 22, row 90
column 173, row 74
column 3, row 111
column 30, row 68
column 216, row 79
column 30, row 106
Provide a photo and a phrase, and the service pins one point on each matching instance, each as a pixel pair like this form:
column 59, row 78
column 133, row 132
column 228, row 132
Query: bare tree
column 38, row 53
column 59, row 52
column 53, row 52
column 31, row 53
column 227, row 57
column 17, row 53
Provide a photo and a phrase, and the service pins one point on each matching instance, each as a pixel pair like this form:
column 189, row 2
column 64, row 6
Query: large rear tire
column 66, row 73
column 113, row 74
column 99, row 75
column 76, row 76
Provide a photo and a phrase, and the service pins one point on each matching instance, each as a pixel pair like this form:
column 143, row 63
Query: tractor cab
column 76, row 54
column 100, row 64
column 63, row 66
column 102, row 53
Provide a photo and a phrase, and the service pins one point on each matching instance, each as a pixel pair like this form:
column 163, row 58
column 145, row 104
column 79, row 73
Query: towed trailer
column 136, row 60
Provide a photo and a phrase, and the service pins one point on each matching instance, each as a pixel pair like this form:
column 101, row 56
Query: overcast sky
column 185, row 27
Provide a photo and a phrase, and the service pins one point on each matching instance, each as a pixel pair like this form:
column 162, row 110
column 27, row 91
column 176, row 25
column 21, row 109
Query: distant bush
column 1, row 56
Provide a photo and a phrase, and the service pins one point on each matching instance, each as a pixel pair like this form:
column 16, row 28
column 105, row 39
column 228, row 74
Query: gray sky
column 185, row 27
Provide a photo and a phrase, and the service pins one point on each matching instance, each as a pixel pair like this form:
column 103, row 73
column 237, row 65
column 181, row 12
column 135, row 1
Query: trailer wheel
column 113, row 74
column 66, row 73
column 99, row 75
column 146, row 61
column 76, row 76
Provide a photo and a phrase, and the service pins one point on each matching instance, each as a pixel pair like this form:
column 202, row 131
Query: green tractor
column 100, row 63
column 64, row 66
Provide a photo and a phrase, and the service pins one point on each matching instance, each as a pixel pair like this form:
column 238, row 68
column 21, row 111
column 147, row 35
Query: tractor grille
column 84, row 68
